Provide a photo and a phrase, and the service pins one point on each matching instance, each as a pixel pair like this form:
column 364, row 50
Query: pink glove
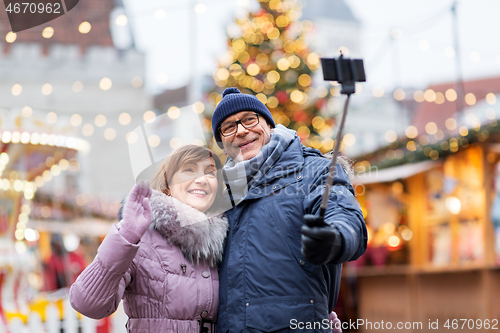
column 136, row 213
column 336, row 324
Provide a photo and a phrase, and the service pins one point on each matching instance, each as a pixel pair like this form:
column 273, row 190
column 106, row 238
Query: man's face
column 246, row 142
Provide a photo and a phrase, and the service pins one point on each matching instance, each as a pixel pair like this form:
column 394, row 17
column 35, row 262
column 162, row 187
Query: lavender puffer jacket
column 168, row 281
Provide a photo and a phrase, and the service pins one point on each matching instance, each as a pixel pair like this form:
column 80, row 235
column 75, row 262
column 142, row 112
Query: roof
column 438, row 113
column 96, row 12
column 394, row 173
column 327, row 9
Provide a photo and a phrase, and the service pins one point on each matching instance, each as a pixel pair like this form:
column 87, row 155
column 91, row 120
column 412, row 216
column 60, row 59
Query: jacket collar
column 290, row 161
column 200, row 237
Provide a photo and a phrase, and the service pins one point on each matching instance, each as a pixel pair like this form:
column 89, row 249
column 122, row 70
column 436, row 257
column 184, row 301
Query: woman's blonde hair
column 183, row 155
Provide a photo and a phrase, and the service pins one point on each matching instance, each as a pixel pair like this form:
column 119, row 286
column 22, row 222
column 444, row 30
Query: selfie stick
column 347, row 72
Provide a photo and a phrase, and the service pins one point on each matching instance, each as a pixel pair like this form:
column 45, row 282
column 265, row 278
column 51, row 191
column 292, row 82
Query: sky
column 180, row 43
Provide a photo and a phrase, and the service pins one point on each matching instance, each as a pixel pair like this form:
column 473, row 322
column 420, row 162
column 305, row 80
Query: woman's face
column 195, row 184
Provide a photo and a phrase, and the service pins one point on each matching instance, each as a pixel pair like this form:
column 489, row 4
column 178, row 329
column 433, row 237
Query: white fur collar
column 200, row 237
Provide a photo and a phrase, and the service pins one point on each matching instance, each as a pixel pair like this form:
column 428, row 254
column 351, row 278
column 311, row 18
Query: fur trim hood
column 200, row 237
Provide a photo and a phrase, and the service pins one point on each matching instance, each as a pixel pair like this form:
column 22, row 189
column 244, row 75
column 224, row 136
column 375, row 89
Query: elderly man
column 281, row 268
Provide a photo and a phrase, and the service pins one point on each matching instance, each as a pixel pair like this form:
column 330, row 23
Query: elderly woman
column 162, row 257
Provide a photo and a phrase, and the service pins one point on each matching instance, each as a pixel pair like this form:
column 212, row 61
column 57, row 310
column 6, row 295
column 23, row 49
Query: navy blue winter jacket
column 265, row 283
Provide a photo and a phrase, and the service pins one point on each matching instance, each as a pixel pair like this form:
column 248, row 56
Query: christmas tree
column 268, row 57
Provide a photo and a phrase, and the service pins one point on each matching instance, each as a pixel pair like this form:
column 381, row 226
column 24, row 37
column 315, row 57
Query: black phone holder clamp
column 345, row 71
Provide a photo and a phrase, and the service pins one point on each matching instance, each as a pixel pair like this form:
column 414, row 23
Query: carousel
column 34, row 151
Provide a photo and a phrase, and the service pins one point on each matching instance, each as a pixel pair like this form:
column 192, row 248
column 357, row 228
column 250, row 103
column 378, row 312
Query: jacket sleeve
column 98, row 290
column 343, row 212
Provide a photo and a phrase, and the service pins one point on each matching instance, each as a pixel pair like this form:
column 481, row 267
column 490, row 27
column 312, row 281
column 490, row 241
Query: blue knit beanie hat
column 233, row 101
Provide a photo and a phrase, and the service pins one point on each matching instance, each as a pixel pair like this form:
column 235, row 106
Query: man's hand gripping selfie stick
column 347, row 72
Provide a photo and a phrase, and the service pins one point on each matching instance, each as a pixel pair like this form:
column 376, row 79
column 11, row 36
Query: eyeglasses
column 247, row 122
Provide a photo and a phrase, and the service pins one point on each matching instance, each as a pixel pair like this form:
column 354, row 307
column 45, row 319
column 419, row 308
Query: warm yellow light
column 349, row 139
column 87, row 130
column 4, row 158
column 411, row 132
column 77, row 86
column 124, row 118
column 450, row 124
column 272, row 102
column 100, row 120
column 238, row 44
column 174, row 112
column 399, row 94
column 439, row 98
column 470, row 99
column 411, row 146
column 51, row 117
column 390, row 136
column 47, row 89
column 451, row 95
column 313, row 59
column 393, row 241
column 296, row 96
column 10, row 37
column 453, row 204
column 131, row 137
column 109, row 134
column 25, row 137
column 105, row 83
column 283, row 64
column 75, row 120
column 198, row 107
column 318, row 122
column 262, row 97
column 84, row 27
column 149, row 116
column 418, row 96
column 175, row 142
column 273, row 76
column 121, row 20
column 55, row 170
column 491, row 98
column 431, row 127
column 463, row 131
column 27, row 112
column 304, row 80
column 430, row 95
column 48, row 32
column 16, row 89
column 136, row 82
column 222, row 74
column 407, row 234
column 378, row 91
column 64, row 164
column 35, row 138
column 273, row 34
column 328, row 144
column 253, row 69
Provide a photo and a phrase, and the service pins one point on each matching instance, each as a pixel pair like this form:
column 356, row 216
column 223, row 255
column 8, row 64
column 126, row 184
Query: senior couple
column 262, row 266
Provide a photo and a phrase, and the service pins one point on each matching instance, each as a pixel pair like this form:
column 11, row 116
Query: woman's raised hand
column 136, row 213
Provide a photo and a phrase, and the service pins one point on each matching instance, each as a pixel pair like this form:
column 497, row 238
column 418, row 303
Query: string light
column 105, row 83
column 84, row 27
column 10, row 37
column 48, row 32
